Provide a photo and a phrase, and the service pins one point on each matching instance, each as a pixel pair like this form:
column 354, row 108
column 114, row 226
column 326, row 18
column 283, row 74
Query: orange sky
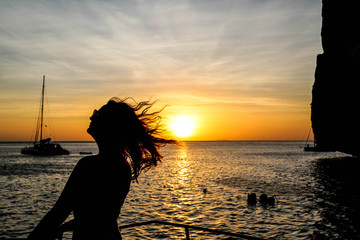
column 243, row 69
column 213, row 121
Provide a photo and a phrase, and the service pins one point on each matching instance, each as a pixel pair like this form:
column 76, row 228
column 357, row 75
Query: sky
column 241, row 69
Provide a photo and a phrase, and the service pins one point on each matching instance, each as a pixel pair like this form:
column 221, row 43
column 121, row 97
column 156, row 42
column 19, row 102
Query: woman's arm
column 48, row 226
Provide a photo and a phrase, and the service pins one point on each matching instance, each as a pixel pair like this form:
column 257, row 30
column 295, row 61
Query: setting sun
column 183, row 126
column 216, row 75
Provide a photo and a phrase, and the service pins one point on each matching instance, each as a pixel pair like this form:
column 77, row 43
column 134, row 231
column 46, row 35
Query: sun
column 182, row 126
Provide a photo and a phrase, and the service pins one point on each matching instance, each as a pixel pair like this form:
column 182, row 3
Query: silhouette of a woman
column 128, row 138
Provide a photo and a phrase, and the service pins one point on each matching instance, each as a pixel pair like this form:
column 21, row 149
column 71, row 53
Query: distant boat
column 43, row 147
column 315, row 147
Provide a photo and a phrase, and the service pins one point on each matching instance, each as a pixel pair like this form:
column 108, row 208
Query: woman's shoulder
column 88, row 159
column 87, row 162
column 97, row 163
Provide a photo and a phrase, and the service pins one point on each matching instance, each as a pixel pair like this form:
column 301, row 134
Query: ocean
column 203, row 184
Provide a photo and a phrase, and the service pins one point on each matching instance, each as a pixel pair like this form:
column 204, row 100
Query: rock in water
column 251, row 198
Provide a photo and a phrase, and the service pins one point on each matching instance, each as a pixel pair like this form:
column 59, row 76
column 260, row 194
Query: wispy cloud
column 238, row 51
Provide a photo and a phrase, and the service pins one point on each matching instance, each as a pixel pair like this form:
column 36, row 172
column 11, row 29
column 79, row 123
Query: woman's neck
column 110, row 150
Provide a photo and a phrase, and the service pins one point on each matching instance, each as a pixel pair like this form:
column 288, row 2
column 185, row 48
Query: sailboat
column 43, row 147
column 315, row 147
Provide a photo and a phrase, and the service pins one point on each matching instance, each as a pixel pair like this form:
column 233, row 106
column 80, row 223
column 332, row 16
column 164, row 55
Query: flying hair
column 143, row 133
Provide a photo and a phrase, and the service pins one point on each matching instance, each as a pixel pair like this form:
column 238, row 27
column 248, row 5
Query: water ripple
column 203, row 183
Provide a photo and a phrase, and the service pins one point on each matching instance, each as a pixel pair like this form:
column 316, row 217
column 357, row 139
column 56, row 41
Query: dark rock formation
column 335, row 110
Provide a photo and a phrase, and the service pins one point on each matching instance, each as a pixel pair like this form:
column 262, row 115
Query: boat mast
column 42, row 107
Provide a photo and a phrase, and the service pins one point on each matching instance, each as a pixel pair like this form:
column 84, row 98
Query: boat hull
column 45, row 150
column 317, row 149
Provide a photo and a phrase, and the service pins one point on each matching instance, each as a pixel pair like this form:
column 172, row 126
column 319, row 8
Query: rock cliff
column 335, row 110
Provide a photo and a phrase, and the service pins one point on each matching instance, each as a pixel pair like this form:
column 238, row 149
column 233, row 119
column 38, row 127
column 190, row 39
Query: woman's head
column 130, row 129
column 113, row 121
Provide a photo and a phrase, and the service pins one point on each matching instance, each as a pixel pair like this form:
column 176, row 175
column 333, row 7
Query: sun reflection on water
column 184, row 198
column 182, row 166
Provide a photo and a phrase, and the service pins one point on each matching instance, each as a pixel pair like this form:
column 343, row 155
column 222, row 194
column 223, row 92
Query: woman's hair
column 137, row 131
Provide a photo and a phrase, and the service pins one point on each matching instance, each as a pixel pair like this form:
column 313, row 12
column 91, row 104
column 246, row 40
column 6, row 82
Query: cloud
column 227, row 51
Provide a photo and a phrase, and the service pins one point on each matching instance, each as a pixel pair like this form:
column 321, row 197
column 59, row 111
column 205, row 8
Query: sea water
column 203, row 184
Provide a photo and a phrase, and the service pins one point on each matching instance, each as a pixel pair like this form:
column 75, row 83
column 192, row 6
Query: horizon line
column 75, row 141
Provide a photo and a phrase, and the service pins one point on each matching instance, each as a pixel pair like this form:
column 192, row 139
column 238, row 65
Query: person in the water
column 128, row 138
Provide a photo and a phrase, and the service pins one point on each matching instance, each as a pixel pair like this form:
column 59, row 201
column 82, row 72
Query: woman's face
column 95, row 122
column 110, row 122
column 103, row 122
